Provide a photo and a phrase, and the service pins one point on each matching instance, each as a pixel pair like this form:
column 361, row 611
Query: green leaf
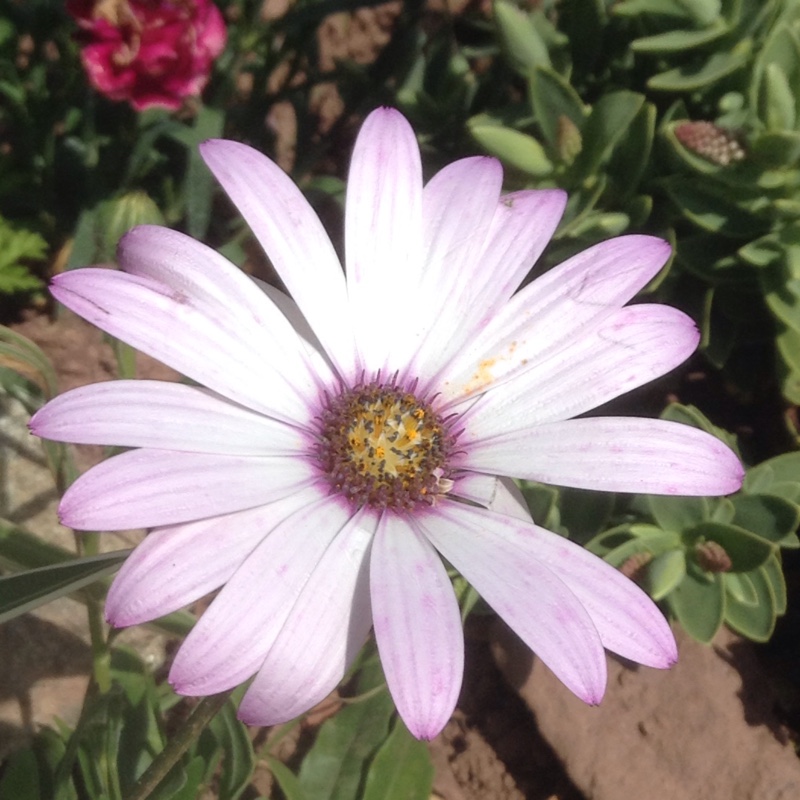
column 542, row 502
column 19, row 248
column 677, row 513
column 520, row 41
column 28, row 590
column 239, row 759
column 771, row 517
column 665, row 572
column 401, row 769
column 773, row 572
column 334, row 767
column 745, row 550
column 680, row 41
column 778, row 100
column 513, row 148
column 552, row 99
column 701, row 74
column 289, row 782
column 740, row 588
column 756, row 621
column 21, row 777
column 606, row 125
column 699, row 605
column 199, row 184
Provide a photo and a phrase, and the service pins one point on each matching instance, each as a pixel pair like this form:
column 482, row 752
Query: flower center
column 384, row 447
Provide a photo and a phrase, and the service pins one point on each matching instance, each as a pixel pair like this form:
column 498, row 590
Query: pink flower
column 149, row 52
column 347, row 439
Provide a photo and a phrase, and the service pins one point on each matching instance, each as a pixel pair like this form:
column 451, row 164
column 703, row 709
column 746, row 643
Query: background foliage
column 676, row 118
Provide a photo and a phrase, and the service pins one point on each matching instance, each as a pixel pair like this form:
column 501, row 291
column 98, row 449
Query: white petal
column 215, row 347
column 458, row 204
column 160, row 415
column 322, row 636
column 417, row 626
column 628, row 621
column 149, row 488
column 490, row 552
column 632, row 347
column 613, row 454
column 521, row 225
column 230, row 641
column 294, row 239
column 176, row 565
column 383, row 237
column 564, row 303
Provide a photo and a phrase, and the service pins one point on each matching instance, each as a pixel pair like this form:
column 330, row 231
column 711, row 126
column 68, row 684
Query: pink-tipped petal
column 322, row 636
column 632, row 347
column 417, row 626
column 176, row 565
column 150, row 488
column 565, row 303
column 193, row 336
column 383, row 237
column 522, row 224
column 167, row 416
column 628, row 621
column 230, row 641
column 457, row 208
column 613, row 454
column 490, row 552
column 294, row 239
column 193, row 270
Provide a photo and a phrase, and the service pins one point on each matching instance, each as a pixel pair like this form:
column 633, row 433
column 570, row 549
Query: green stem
column 205, row 711
column 89, row 544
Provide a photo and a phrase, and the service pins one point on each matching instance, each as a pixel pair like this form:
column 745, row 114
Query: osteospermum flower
column 340, row 443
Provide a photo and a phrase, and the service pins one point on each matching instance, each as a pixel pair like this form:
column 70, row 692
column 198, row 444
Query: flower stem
column 204, row 712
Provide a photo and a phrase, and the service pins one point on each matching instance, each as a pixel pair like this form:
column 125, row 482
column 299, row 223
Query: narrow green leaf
column 681, row 40
column 239, row 760
column 28, row 590
column 520, row 42
column 334, row 767
column 606, row 125
column 773, row 572
column 552, row 98
column 20, row 779
column 289, row 782
column 401, row 769
column 698, row 75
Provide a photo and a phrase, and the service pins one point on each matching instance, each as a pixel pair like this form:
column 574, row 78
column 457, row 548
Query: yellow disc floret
column 384, row 447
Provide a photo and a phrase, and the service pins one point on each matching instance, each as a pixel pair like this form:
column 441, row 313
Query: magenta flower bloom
column 149, row 52
column 341, row 442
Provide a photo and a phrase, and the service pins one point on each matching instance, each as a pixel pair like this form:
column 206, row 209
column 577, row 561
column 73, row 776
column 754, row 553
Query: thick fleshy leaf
column 632, row 347
column 628, row 621
column 612, row 454
column 522, row 224
column 563, row 304
column 178, row 564
column 231, row 639
column 214, row 346
column 324, row 632
column 494, row 554
column 417, row 626
column 166, row 416
column 294, row 239
column 383, row 237
column 150, row 488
